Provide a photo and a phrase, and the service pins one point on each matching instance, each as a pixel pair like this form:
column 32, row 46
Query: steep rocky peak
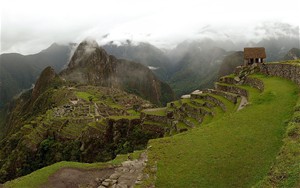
column 47, row 75
column 88, row 51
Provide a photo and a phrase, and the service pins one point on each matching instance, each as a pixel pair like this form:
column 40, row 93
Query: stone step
column 193, row 109
column 253, row 82
column 232, row 97
column 209, row 97
column 228, row 80
column 202, row 103
column 231, row 89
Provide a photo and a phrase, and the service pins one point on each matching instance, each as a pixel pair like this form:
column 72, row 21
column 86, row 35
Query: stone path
column 243, row 103
column 127, row 175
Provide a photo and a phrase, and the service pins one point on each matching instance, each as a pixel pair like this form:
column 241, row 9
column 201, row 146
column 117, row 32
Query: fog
column 29, row 26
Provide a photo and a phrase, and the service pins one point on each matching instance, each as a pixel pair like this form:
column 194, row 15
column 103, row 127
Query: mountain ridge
column 91, row 64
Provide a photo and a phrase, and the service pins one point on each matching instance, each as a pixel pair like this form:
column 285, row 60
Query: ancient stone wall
column 288, row 71
column 231, row 89
column 228, row 80
column 254, row 82
column 229, row 96
column 153, row 118
column 209, row 98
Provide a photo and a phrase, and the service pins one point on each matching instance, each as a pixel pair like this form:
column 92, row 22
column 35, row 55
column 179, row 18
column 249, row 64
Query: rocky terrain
column 58, row 120
column 91, row 65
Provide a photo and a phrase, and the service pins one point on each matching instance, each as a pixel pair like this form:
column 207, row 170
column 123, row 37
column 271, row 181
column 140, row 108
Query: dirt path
column 243, row 103
column 73, row 177
column 126, row 175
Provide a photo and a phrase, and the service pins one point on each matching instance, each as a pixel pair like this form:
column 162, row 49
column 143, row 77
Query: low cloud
column 30, row 26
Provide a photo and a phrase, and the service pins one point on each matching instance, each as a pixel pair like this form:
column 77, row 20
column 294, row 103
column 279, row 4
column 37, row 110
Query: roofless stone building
column 254, row 55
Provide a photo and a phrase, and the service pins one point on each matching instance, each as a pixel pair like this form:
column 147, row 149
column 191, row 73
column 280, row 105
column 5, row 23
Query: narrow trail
column 243, row 103
column 126, row 175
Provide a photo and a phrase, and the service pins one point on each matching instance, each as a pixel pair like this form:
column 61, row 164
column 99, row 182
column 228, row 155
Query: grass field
column 234, row 151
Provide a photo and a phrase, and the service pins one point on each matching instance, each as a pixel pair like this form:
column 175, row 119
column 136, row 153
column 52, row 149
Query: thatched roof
column 254, row 53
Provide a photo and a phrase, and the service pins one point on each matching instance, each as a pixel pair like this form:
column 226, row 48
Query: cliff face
column 90, row 64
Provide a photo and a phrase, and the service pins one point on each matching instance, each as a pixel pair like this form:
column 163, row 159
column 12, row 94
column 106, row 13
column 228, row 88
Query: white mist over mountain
column 32, row 25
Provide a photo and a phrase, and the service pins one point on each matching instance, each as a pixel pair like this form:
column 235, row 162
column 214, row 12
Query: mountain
column 292, row 54
column 59, row 121
column 179, row 66
column 277, row 48
column 90, row 64
column 196, row 66
column 230, row 62
column 145, row 54
column 19, row 72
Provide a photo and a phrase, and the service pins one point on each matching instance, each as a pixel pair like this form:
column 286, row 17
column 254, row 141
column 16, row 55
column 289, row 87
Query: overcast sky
column 28, row 26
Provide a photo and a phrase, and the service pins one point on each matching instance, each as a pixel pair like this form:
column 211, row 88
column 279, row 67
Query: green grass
column 85, row 95
column 39, row 177
column 124, row 117
column 133, row 112
column 286, row 169
column 156, row 111
column 235, row 151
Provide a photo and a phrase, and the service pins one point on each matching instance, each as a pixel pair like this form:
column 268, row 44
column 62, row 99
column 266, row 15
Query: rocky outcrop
column 91, row 65
column 284, row 70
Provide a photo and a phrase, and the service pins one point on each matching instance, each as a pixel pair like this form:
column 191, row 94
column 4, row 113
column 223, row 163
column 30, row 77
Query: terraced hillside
column 235, row 151
column 228, row 137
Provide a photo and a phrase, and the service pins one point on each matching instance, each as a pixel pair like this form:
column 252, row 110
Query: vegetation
column 226, row 148
column 156, row 111
column 234, row 151
column 286, row 168
column 37, row 178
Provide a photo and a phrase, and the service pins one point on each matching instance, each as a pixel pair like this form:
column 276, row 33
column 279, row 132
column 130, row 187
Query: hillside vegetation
column 240, row 134
column 235, row 151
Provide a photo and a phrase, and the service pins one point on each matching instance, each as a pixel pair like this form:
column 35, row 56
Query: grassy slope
column 235, row 151
column 285, row 172
column 37, row 178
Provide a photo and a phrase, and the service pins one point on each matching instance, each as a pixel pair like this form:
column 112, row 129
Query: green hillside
column 212, row 140
column 235, row 151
